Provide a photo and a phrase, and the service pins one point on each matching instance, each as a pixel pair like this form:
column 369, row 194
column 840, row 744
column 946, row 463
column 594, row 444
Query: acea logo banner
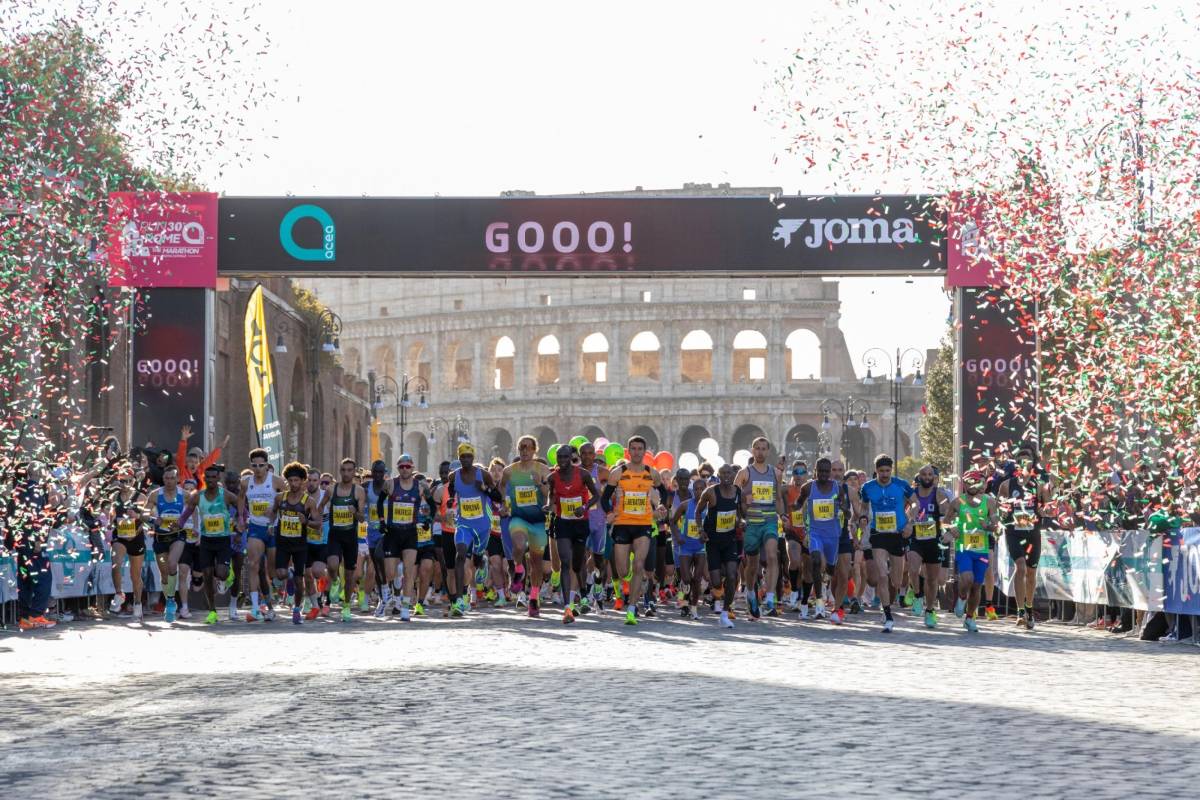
column 322, row 234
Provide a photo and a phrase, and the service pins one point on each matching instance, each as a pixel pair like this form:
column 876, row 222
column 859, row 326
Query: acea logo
column 328, row 249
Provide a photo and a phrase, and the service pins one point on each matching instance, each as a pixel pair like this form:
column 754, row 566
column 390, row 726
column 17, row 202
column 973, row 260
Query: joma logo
column 847, row 231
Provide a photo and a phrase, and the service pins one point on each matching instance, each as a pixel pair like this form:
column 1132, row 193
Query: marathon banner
column 601, row 235
column 262, row 381
column 1116, row 568
column 1181, row 572
column 158, row 239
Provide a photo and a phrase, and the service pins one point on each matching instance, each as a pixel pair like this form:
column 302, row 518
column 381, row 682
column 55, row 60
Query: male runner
column 689, row 539
column 975, row 516
column 924, row 554
column 400, row 512
column 469, row 486
column 129, row 539
column 295, row 511
column 760, row 482
column 597, row 543
column 723, row 509
column 215, row 550
column 258, row 493
column 826, row 506
column 373, row 565
column 1024, row 498
column 166, row 504
column 521, row 483
column 799, row 564
column 887, row 501
column 347, row 510
column 573, row 494
column 635, row 507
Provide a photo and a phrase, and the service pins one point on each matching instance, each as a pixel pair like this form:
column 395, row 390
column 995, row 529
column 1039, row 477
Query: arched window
column 595, row 358
column 417, row 362
column 384, row 361
column 547, row 360
column 749, row 357
column 695, row 365
column 804, row 355
column 643, row 356
column 503, row 364
column 460, row 365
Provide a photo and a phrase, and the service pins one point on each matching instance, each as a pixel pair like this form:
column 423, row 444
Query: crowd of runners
column 574, row 538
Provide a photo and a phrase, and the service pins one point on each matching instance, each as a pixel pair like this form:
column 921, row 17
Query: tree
column 937, row 426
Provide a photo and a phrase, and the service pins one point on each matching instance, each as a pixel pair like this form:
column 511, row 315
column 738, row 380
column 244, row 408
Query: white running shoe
column 185, row 613
column 137, row 612
column 522, row 600
column 804, row 611
column 888, row 625
column 233, row 611
column 820, row 611
column 726, row 622
column 405, row 614
column 115, row 604
column 695, row 613
column 382, row 609
column 792, row 600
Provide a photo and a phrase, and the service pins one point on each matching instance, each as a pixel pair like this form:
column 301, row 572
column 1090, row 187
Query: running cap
column 466, row 447
column 404, row 458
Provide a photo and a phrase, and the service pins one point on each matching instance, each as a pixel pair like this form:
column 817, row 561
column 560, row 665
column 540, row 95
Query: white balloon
column 741, row 458
column 708, row 449
column 717, row 462
column 689, row 461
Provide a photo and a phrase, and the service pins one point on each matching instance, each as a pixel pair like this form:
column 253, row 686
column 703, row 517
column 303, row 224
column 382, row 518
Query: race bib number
column 634, row 502
column 569, row 505
column 314, row 535
column 167, row 520
column 260, row 508
column 726, row 520
column 374, row 513
column 974, row 540
column 526, row 496
column 885, row 522
column 404, row 514
column 343, row 517
column 214, row 524
column 925, row 530
column 693, row 529
column 289, row 526
column 424, row 535
column 126, row 529
column 495, row 529
column 762, row 492
column 193, row 536
column 822, row 510
column 471, row 508
column 797, row 518
column 362, row 531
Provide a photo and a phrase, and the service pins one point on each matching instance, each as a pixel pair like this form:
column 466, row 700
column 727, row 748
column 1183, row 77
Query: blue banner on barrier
column 1181, row 572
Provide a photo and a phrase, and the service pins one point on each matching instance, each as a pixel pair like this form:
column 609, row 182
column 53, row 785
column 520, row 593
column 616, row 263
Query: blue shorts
column 690, row 547
column 973, row 562
column 826, row 545
column 374, row 537
column 475, row 542
column 262, row 533
column 597, row 531
column 758, row 533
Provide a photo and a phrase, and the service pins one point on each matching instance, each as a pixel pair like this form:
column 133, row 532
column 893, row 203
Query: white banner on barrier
column 74, row 572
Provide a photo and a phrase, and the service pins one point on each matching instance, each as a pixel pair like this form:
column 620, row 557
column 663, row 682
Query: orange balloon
column 664, row 460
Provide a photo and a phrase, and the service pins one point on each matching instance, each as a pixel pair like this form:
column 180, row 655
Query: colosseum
column 676, row 360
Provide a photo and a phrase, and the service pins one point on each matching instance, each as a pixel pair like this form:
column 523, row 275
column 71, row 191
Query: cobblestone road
column 502, row 706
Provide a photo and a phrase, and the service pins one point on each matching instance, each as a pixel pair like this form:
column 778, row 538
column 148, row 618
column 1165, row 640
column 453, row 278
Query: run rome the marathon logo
column 875, row 230
column 328, row 249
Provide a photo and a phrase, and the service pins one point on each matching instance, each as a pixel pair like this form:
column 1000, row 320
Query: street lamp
column 456, row 432
column 326, row 339
column 400, row 391
column 871, row 360
column 846, row 412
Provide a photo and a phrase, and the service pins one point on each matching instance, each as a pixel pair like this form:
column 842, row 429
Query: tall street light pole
column 871, row 360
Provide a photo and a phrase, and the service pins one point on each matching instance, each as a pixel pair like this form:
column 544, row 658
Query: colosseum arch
column 593, row 432
column 749, row 357
column 497, row 443
column 804, row 355
column 647, row 433
column 548, row 360
column 504, row 364
column 594, row 358
column 545, row 437
column 802, row 442
column 385, row 450
column 383, row 360
column 858, row 448
column 689, row 442
column 644, row 359
column 744, row 435
column 353, row 361
column 696, row 361
column 459, row 365
column 417, row 361
column 417, row 446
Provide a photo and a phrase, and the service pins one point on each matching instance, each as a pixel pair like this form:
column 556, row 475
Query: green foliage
column 309, row 306
column 937, row 426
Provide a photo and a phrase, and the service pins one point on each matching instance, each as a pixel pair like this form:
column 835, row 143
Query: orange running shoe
column 27, row 624
column 312, row 613
column 618, row 604
column 41, row 622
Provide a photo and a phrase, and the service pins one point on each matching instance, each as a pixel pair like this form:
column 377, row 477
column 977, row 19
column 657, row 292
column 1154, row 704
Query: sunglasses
column 325, row 483
column 404, row 466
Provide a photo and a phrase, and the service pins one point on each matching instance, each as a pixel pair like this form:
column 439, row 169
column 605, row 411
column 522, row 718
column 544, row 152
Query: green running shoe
column 909, row 597
column 211, row 619
column 931, row 619
column 630, row 618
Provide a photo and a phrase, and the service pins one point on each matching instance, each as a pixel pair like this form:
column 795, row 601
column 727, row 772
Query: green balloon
column 578, row 441
column 552, row 455
column 613, row 453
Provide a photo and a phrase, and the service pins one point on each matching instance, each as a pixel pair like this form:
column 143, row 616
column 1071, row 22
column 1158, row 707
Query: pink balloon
column 600, row 444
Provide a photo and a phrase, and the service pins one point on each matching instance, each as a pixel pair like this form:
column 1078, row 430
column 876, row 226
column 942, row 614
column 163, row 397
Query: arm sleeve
column 606, row 498
column 379, row 504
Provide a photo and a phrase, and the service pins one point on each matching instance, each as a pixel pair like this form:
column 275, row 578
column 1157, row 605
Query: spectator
column 192, row 462
column 29, row 529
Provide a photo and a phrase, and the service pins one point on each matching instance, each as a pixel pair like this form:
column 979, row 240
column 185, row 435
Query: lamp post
column 326, row 339
column 846, row 412
column 400, row 390
column 871, row 361
column 456, row 432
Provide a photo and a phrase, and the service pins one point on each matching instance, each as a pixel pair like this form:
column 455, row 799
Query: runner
column 499, row 547
column 258, row 496
column 522, row 484
column 373, row 566
column 215, row 550
column 760, row 482
column 598, row 538
column 826, row 506
column 799, row 563
column 234, row 582
column 887, row 500
column 925, row 553
column 318, row 543
column 400, row 506
column 689, row 540
column 635, row 508
column 469, row 486
column 294, row 513
column 1023, row 499
column 723, row 510
column 166, row 503
column 128, row 539
column 573, row 494
column 975, row 515
column 446, row 552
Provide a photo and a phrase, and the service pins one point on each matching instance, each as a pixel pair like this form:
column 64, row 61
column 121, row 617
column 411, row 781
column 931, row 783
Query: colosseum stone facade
column 673, row 359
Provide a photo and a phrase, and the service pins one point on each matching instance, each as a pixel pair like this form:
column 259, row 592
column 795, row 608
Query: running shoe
column 137, row 612
column 295, row 615
column 584, row 606
column 362, row 601
column 568, row 616
column 909, row 598
column 42, row 622
column 960, row 606
column 618, row 604
column 522, row 601
column 312, row 613
column 335, row 591
column 456, row 609
column 752, row 602
column 534, row 611
column 115, row 604
column 185, row 613
column 837, row 617
column 346, row 615
column 405, row 614
column 876, row 603
column 888, row 625
column 990, row 613
column 650, row 610
column 969, row 624
column 211, row 619
column 696, row 613
column 630, row 617
column 255, row 615
column 169, row 611
column 804, row 611
column 931, row 619
column 518, row 584
column 305, row 606
column 820, row 611
column 1029, row 623
column 324, row 611
column 381, row 610
column 855, row 606
column 233, row 612
column 793, row 600
column 918, row 606
column 726, row 622
column 500, row 602
column 418, row 610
